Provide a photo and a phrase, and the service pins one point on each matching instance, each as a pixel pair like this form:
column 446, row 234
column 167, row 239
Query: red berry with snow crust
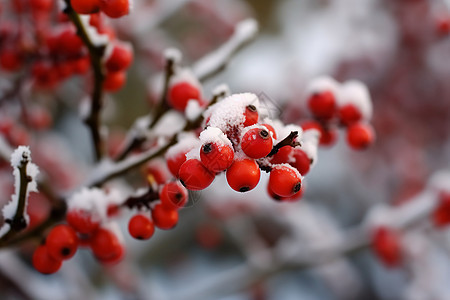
column 180, row 93
column 284, row 180
column 322, row 105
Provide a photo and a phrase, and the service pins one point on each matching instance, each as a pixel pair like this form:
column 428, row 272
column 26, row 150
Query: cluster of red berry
column 89, row 224
column 336, row 105
column 238, row 139
column 56, row 53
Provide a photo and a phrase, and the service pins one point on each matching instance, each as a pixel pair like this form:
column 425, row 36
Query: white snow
column 356, row 93
column 440, row 181
column 96, row 38
column 193, row 110
column 310, row 144
column 221, row 89
column 284, row 131
column 20, row 156
column 95, row 201
column 186, row 143
column 215, row 136
column 321, row 84
column 229, row 112
column 244, row 32
column 185, row 75
column 173, row 54
column 170, row 123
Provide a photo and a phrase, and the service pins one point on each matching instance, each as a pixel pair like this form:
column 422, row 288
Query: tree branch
column 217, row 61
column 96, row 53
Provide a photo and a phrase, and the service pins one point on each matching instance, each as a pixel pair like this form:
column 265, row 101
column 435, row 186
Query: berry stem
column 142, row 201
column 287, row 141
column 96, row 54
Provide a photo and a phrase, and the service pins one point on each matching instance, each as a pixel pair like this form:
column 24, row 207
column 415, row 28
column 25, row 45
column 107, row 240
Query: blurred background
column 229, row 245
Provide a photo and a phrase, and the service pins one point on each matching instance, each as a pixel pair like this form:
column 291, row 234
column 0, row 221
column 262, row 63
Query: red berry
column 284, row 155
column 216, row 157
column 81, row 65
column 180, row 93
column 441, row 214
column 327, row 136
column 301, row 161
column 115, row 8
column 82, row 221
column 62, row 242
column 114, row 258
column 174, row 163
column 271, row 129
column 43, row 262
column 194, row 175
column 106, row 245
column 386, row 244
column 349, row 114
column 297, row 196
column 322, row 105
column 256, row 143
column 163, row 217
column 10, row 60
column 114, row 81
column 120, row 58
column 360, row 136
column 141, row 227
column 443, row 25
column 44, row 75
column 243, row 175
column 251, row 115
column 69, row 43
column 41, row 5
column 85, row 6
column 173, row 195
column 284, row 180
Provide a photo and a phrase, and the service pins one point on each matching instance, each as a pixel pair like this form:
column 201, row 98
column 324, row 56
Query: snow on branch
column 14, row 212
column 216, row 61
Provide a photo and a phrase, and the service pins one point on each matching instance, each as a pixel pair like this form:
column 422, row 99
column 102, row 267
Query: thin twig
column 18, row 222
column 163, row 105
column 287, row 141
column 96, row 54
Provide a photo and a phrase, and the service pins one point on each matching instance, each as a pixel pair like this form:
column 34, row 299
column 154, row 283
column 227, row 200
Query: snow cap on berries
column 229, row 112
column 322, row 84
column 356, row 93
column 186, row 143
column 185, row 75
column 310, row 144
column 215, row 136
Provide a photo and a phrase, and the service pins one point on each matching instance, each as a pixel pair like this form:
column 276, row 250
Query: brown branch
column 163, row 105
column 96, row 54
column 287, row 141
